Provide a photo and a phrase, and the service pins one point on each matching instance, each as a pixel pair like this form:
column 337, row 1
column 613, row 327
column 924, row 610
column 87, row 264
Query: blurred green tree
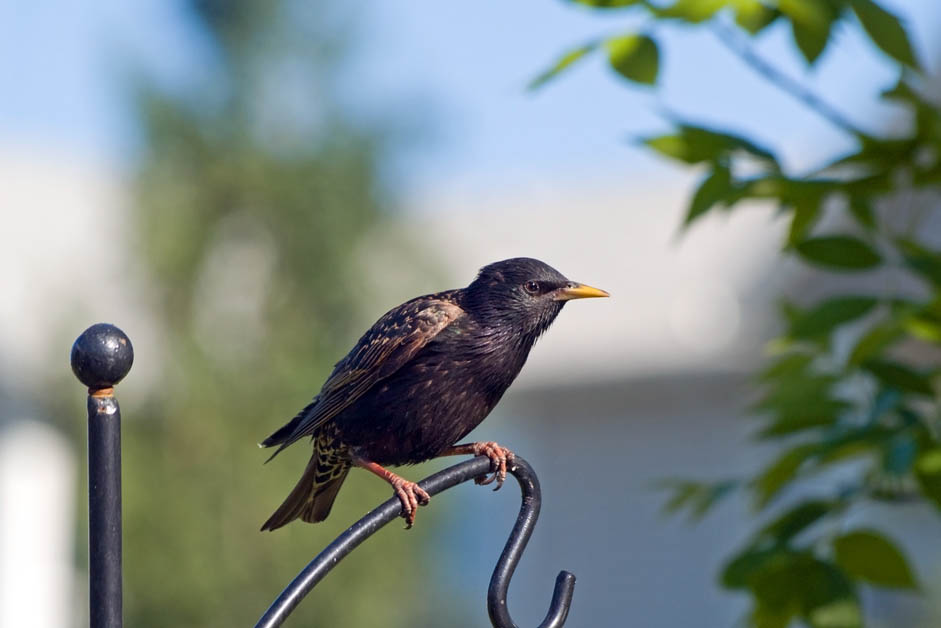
column 853, row 380
column 254, row 191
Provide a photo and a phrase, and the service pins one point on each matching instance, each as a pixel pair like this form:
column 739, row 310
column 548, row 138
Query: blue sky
column 466, row 64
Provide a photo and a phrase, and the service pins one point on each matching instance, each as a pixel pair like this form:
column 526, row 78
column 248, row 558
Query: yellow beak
column 578, row 291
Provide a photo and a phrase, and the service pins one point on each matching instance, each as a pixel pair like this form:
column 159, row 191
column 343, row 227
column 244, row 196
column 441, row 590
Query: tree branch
column 738, row 46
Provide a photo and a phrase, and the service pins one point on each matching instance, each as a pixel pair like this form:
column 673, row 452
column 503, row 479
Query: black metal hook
column 320, row 566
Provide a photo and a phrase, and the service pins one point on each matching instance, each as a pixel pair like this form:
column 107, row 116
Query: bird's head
column 524, row 294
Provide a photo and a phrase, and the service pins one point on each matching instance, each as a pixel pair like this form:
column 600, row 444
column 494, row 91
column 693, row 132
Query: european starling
column 427, row 373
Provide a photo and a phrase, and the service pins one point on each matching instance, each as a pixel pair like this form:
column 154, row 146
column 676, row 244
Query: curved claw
column 411, row 496
column 500, row 459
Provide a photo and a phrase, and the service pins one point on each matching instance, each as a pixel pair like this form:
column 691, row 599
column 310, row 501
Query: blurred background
column 244, row 186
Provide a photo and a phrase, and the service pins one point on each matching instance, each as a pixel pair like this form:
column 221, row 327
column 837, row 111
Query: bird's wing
column 384, row 349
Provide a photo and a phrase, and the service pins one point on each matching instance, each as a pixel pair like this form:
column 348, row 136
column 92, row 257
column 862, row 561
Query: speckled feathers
column 426, row 373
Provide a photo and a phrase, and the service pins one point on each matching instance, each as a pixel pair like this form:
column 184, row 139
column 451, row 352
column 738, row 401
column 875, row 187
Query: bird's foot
column 411, row 495
column 499, row 456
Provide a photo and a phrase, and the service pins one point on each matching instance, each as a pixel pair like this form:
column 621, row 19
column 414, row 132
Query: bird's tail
column 285, row 432
column 314, row 493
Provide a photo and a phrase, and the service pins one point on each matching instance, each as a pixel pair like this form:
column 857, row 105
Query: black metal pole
column 320, row 566
column 101, row 357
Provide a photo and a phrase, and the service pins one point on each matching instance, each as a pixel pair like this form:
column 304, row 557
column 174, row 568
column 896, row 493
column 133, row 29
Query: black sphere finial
column 102, row 356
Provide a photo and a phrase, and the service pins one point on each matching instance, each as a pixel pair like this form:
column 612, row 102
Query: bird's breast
column 443, row 393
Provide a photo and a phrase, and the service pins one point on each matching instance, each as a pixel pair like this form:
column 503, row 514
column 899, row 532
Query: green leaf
column 607, row 4
column 711, row 191
column 806, row 214
column 924, row 324
column 823, row 318
column 635, row 57
column 842, row 613
column 926, row 127
column 874, row 341
column 887, row 400
column 683, row 493
column 692, row 144
column 800, row 401
column 839, row 252
column 805, row 584
column 899, row 454
column 867, row 440
column 796, row 520
column 676, row 147
column 878, row 182
column 563, row 63
column 924, row 261
column 780, row 473
column 861, row 209
column 762, row 617
column 769, row 187
column 810, row 42
column 928, row 473
column 729, row 142
column 741, row 568
column 753, row 15
column 867, row 555
column 879, row 154
column 796, row 190
column 790, row 364
column 789, row 311
column 810, row 24
column 885, row 30
column 827, row 596
column 903, row 92
column 812, row 415
column 698, row 497
column 795, row 392
column 899, row 376
column 693, row 11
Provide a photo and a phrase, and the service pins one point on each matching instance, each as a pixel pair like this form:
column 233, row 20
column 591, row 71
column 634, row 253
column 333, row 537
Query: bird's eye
column 532, row 287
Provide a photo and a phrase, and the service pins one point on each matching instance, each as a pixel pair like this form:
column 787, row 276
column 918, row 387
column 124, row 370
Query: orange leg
column 499, row 457
column 409, row 493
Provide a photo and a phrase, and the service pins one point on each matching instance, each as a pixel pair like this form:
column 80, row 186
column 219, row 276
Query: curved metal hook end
column 561, row 600
column 513, row 550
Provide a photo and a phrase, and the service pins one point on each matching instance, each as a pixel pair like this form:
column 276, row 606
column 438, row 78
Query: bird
column 418, row 381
